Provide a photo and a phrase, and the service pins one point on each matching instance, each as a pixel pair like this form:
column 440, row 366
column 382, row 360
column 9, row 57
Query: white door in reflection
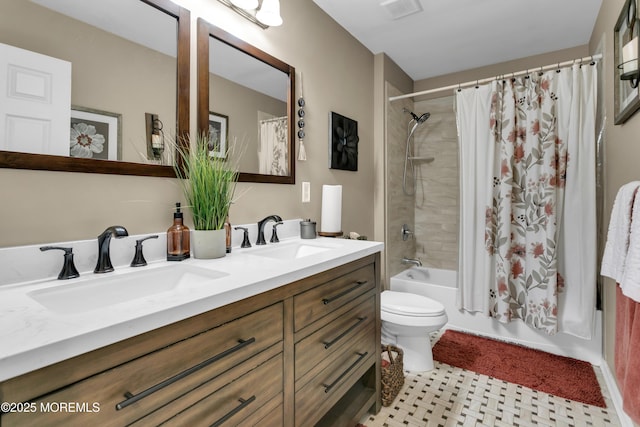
column 35, row 102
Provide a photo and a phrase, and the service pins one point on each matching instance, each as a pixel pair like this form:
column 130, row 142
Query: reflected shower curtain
column 272, row 154
column 528, row 222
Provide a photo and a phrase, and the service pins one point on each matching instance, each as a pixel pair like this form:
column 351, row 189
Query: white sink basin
column 99, row 291
column 294, row 250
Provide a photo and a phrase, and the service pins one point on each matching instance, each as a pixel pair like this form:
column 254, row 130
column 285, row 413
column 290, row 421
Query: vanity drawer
column 317, row 302
column 159, row 377
column 244, row 401
column 356, row 321
column 333, row 377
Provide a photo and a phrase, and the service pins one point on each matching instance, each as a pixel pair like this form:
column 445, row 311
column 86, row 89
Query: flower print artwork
column 95, row 134
column 85, row 141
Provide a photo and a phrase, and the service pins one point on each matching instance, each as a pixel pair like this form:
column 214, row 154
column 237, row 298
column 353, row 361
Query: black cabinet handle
column 131, row 398
column 359, row 283
column 328, row 387
column 240, row 407
column 328, row 344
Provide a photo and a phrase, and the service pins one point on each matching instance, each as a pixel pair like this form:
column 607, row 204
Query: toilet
column 407, row 321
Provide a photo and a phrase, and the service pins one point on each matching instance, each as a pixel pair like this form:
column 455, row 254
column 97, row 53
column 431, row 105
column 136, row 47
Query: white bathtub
column 441, row 285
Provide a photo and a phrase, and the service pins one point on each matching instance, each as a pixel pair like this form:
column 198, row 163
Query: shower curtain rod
column 489, row 79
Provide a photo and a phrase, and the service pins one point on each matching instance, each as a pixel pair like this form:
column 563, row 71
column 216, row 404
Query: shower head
column 419, row 119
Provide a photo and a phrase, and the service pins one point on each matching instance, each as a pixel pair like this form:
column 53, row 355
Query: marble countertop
column 33, row 336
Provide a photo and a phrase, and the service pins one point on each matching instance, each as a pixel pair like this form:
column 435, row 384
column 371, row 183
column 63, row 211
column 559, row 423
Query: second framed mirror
column 247, row 95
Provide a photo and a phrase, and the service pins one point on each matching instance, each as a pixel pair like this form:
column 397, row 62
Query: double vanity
column 285, row 334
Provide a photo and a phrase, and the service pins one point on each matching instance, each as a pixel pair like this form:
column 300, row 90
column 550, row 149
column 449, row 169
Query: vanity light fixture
column 245, row 4
column 263, row 13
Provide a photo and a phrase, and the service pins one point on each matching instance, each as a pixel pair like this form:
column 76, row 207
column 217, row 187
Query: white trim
column 616, row 397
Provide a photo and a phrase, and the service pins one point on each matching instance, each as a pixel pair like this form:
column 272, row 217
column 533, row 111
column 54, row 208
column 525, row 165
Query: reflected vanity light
column 264, row 14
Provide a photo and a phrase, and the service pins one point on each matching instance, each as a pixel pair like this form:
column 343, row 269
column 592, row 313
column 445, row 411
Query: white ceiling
column 455, row 35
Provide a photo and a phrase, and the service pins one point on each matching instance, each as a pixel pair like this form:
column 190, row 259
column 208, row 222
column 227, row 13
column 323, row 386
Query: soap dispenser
column 177, row 238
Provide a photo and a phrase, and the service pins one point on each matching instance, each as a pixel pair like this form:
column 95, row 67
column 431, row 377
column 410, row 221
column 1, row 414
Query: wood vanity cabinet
column 303, row 354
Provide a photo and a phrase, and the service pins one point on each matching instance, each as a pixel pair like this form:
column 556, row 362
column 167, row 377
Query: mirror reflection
column 248, row 96
column 107, row 74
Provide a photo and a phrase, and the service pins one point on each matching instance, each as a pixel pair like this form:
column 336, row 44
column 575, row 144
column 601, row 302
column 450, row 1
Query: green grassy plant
column 208, row 183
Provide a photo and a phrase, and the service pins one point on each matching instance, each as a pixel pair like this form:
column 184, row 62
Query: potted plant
column 209, row 185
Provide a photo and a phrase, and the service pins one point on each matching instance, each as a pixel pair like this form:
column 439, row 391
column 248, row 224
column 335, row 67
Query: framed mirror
column 126, row 58
column 247, row 95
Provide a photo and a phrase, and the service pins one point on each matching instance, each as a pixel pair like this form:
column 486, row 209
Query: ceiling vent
column 400, row 8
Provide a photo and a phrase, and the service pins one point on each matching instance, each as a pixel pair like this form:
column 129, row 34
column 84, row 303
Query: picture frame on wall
column 626, row 92
column 218, row 135
column 95, row 134
column 343, row 142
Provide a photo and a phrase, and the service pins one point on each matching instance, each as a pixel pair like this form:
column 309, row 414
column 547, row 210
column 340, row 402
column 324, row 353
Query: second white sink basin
column 294, row 250
column 99, row 291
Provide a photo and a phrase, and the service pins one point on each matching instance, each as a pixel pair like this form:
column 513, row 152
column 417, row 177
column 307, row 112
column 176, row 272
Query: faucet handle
column 69, row 270
column 138, row 258
column 274, row 233
column 245, row 241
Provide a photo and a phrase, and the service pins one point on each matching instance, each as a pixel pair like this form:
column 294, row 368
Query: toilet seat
column 406, row 304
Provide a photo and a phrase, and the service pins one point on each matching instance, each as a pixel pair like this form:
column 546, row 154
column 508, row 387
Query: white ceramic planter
column 208, row 244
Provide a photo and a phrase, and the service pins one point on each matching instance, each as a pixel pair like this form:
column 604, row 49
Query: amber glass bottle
column 227, row 228
column 178, row 238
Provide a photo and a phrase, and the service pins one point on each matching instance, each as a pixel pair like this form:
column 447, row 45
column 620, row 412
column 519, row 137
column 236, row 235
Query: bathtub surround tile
column 450, row 396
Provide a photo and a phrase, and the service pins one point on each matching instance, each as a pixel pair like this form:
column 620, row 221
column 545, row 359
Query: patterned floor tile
column 449, row 396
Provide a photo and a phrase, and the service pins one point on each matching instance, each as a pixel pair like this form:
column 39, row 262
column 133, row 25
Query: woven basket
column 392, row 375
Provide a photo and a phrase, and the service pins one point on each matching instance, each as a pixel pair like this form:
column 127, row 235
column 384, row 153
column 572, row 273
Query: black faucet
column 104, row 260
column 261, row 225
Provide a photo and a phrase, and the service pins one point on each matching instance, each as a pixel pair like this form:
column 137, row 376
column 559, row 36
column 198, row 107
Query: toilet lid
column 407, row 304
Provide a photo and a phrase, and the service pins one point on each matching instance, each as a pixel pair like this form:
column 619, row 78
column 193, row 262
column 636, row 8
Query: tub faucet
column 414, row 261
column 261, row 225
column 104, row 260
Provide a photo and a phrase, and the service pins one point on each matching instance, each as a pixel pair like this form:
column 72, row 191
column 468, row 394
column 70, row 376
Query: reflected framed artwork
column 218, row 133
column 343, row 142
column 95, row 134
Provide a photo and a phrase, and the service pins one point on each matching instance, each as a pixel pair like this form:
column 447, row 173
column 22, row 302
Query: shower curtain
column 528, row 215
column 272, row 153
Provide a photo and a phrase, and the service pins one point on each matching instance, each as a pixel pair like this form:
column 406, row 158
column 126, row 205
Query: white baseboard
column 616, row 397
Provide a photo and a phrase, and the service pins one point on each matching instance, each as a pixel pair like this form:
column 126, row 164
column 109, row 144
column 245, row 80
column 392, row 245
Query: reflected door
column 35, row 102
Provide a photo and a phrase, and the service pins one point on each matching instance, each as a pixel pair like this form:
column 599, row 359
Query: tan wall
column 622, row 151
column 241, row 105
column 40, row 206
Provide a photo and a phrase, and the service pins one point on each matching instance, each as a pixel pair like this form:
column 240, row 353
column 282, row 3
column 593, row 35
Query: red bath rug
column 561, row 376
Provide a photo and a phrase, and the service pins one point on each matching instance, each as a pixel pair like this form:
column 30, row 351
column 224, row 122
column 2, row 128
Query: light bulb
column 245, row 4
column 269, row 13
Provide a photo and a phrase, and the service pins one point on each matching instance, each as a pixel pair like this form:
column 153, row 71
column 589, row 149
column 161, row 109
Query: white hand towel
column 630, row 283
column 617, row 246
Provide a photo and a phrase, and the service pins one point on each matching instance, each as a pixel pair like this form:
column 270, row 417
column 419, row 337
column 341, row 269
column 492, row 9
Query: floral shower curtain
column 528, row 227
column 272, row 154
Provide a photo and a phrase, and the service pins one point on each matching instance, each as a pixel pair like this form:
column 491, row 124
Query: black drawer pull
column 342, row 375
column 328, row 344
column 359, row 283
column 242, row 405
column 131, row 398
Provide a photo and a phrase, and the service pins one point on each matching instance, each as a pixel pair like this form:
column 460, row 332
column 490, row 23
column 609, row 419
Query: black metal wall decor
column 343, row 142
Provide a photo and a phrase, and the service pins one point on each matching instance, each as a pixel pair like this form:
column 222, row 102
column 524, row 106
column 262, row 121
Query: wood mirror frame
column 205, row 32
column 16, row 160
